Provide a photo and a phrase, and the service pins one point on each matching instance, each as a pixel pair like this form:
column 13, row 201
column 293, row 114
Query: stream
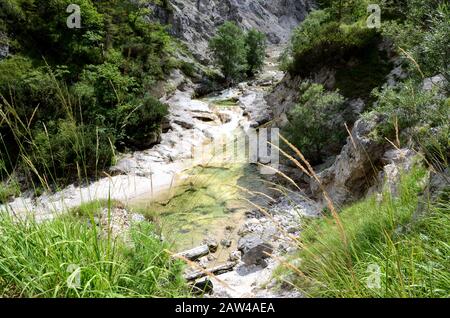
column 191, row 198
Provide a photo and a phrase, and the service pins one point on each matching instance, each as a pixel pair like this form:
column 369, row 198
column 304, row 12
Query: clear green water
column 206, row 205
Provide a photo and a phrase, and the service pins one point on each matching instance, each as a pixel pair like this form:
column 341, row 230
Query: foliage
column 76, row 94
column 422, row 115
column 424, row 35
column 229, row 50
column 312, row 122
column 238, row 53
column 66, row 258
column 320, row 40
column 412, row 256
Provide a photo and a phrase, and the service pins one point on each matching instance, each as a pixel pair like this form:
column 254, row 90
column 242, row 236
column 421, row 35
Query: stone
column 235, row 256
column 433, row 82
column 203, row 287
column 137, row 218
column 212, row 244
column 346, row 180
column 254, row 250
column 4, row 46
column 226, row 243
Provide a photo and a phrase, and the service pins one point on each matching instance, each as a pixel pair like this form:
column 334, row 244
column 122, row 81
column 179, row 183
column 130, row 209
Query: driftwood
column 218, row 270
column 194, row 254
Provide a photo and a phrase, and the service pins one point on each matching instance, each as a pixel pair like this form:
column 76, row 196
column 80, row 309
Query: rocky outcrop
column 353, row 172
column 195, row 21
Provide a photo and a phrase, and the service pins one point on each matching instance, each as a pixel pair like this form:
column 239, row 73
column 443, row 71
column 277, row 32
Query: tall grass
column 68, row 258
column 391, row 256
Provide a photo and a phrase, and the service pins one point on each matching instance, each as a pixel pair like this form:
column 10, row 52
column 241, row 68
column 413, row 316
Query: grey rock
column 256, row 107
column 433, row 82
column 235, row 256
column 212, row 244
column 137, row 218
column 226, row 243
column 346, row 180
column 196, row 21
column 254, row 250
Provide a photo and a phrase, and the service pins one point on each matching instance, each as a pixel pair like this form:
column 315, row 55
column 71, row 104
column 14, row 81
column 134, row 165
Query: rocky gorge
column 232, row 225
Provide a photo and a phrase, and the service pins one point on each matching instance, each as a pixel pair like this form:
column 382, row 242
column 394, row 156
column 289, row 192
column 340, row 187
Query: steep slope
column 195, row 21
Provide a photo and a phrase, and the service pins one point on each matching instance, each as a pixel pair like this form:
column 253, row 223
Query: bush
column 319, row 41
column 229, row 50
column 140, row 124
column 66, row 150
column 79, row 83
column 421, row 116
column 256, row 50
column 313, row 121
column 425, row 35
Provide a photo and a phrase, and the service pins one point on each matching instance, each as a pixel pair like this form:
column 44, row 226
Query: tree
column 312, row 121
column 256, row 50
column 229, row 50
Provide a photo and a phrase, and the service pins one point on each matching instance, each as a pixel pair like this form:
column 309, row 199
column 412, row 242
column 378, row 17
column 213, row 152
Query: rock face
column 195, row 21
column 355, row 168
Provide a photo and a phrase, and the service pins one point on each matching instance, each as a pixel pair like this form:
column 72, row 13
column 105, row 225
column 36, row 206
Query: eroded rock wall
column 195, row 21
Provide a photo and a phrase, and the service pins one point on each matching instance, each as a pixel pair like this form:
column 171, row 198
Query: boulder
column 348, row 179
column 254, row 250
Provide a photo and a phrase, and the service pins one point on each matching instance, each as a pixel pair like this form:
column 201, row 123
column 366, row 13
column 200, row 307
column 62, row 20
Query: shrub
column 256, row 50
column 319, row 40
column 312, row 122
column 66, row 150
column 79, row 83
column 140, row 124
column 229, row 50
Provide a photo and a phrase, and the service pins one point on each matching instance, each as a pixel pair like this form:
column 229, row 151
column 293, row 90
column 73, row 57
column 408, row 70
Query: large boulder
column 348, row 179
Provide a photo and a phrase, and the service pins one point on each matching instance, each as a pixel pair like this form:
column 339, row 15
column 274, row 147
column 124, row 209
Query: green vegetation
column 404, row 238
column 256, row 51
column 228, row 47
column 66, row 258
column 237, row 53
column 70, row 97
column 312, row 122
column 321, row 40
column 412, row 255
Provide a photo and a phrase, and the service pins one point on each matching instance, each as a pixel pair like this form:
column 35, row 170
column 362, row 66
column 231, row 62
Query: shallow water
column 210, row 203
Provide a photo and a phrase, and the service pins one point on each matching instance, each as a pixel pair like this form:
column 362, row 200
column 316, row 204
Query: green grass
column 412, row 256
column 65, row 258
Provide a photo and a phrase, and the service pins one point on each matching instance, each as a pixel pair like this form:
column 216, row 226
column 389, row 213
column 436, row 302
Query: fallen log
column 193, row 254
column 218, row 270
